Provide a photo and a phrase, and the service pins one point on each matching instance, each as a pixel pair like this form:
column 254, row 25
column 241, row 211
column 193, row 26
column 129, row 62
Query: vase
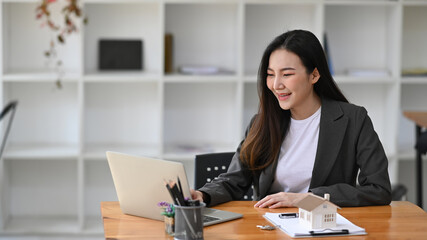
column 169, row 225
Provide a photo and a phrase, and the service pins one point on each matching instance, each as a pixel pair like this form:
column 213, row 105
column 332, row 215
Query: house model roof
column 311, row 202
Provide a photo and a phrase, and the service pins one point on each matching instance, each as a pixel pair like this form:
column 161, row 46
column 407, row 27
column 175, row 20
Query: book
column 168, row 53
column 293, row 228
column 414, row 72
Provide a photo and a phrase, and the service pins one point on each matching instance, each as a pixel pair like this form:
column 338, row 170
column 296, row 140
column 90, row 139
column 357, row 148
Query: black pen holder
column 189, row 222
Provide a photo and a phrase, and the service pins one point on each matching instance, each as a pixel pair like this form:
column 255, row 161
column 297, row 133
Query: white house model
column 316, row 212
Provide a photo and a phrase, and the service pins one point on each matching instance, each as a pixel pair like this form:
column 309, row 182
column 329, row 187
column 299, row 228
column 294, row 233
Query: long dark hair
column 262, row 144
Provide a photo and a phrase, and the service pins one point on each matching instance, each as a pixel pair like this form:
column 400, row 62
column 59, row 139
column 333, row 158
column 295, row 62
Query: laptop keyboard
column 209, row 218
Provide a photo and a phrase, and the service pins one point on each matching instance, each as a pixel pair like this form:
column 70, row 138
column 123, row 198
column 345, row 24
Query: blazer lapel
column 333, row 124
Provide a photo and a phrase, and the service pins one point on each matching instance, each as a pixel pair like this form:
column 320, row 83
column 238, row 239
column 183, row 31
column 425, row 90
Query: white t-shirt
column 297, row 155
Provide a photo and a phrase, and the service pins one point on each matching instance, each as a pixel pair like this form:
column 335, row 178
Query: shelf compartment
column 25, row 41
column 379, row 51
column 45, row 115
column 378, row 100
column 279, row 18
column 38, row 204
column 200, row 117
column 414, row 35
column 201, row 37
column 98, row 187
column 133, row 20
column 130, row 116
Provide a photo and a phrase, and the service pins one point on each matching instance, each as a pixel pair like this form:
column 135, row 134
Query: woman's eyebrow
column 287, row 68
column 283, row 69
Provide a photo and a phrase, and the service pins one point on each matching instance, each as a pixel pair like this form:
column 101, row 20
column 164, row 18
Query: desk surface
column 399, row 220
column 420, row 118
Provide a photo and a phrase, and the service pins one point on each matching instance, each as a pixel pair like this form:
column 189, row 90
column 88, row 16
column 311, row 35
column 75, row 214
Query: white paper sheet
column 292, row 227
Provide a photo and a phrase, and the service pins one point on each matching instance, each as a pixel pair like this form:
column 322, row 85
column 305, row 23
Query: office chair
column 209, row 166
column 398, row 192
column 9, row 108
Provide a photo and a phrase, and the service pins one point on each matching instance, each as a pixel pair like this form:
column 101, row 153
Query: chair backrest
column 398, row 192
column 209, row 166
column 9, row 109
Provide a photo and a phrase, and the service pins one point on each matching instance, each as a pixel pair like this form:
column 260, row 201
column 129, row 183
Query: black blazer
column 347, row 144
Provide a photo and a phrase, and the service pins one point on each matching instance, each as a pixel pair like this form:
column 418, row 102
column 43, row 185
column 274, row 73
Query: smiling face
column 289, row 81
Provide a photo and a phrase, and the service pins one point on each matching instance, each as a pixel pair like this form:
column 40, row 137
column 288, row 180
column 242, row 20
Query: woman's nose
column 278, row 84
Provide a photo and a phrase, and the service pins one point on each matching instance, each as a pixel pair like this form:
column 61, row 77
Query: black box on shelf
column 117, row 54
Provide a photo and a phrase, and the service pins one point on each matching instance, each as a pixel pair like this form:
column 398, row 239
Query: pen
column 332, row 232
column 179, row 185
column 288, row 215
column 178, row 195
column 171, row 193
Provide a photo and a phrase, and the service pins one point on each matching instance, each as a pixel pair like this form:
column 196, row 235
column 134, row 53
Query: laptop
column 140, row 186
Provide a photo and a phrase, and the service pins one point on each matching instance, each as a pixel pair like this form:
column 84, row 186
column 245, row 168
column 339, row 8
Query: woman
column 306, row 137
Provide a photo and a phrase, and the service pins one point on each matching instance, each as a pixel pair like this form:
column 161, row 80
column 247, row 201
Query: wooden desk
column 400, row 220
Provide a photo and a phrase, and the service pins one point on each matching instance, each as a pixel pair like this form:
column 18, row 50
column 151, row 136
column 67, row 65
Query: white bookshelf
column 413, row 89
column 54, row 173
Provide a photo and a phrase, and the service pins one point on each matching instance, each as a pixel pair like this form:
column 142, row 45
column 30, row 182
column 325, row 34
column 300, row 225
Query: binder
column 292, row 227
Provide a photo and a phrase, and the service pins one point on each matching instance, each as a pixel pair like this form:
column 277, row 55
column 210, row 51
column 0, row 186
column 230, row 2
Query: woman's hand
column 196, row 195
column 282, row 199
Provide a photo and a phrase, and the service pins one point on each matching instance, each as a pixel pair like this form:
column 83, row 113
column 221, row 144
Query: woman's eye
column 287, row 75
column 269, row 75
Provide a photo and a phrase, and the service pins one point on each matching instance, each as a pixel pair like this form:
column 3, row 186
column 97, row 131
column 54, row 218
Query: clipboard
column 291, row 226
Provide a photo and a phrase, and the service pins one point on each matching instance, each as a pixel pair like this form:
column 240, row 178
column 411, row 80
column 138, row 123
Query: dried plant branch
column 70, row 11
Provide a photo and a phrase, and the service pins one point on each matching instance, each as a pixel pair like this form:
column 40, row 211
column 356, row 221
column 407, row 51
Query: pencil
column 179, row 185
column 171, row 193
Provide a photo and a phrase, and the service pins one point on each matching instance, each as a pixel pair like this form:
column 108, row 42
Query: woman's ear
column 314, row 76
